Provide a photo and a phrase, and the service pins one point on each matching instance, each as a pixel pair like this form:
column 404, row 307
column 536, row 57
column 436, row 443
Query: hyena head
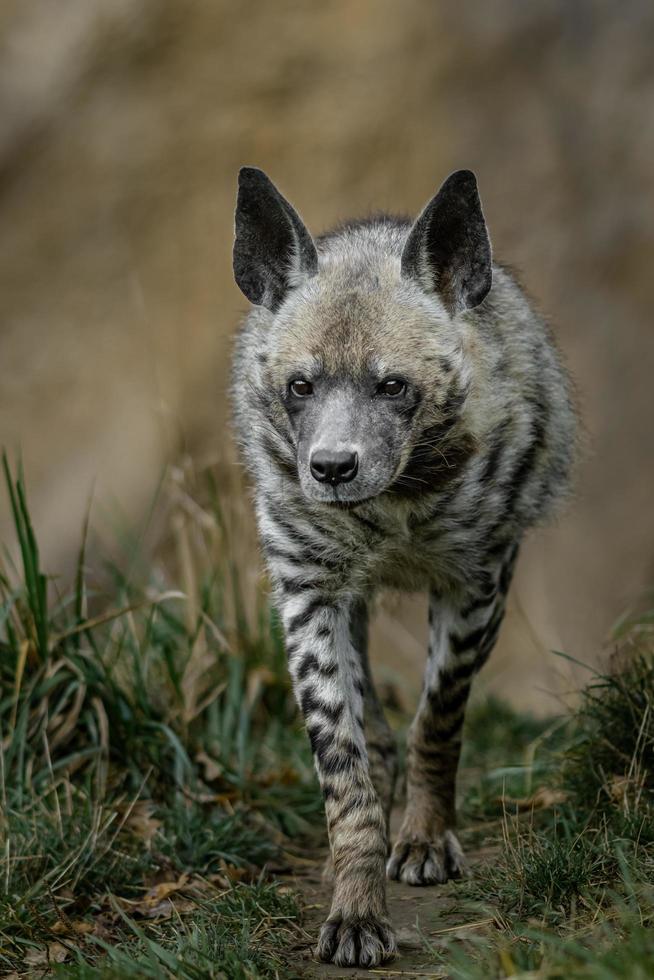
column 365, row 372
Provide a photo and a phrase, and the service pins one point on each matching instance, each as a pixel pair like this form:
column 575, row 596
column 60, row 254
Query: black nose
column 332, row 467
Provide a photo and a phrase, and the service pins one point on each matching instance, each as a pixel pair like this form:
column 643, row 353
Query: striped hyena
column 405, row 417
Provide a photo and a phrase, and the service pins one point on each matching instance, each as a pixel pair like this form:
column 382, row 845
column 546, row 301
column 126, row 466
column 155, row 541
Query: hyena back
column 405, row 417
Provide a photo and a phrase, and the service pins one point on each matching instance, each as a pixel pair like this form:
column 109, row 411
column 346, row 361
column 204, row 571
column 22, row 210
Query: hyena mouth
column 342, row 503
column 350, row 504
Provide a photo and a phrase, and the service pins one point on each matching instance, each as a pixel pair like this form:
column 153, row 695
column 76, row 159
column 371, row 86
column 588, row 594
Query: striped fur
column 480, row 449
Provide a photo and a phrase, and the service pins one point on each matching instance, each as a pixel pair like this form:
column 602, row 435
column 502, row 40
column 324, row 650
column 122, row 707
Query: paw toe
column 427, row 862
column 365, row 943
column 455, row 860
column 434, row 871
column 327, row 941
column 396, row 860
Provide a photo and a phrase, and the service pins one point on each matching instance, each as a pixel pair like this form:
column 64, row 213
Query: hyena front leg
column 329, row 684
column 461, row 638
column 382, row 746
column 380, row 740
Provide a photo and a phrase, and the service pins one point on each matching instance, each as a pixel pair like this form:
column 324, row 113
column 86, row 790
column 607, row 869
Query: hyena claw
column 427, row 862
column 349, row 942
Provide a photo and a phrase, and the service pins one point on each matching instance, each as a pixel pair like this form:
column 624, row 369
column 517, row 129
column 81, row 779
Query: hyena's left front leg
column 461, row 637
column 329, row 684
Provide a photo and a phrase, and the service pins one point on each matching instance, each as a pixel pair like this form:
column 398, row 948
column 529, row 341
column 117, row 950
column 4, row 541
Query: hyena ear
column 448, row 250
column 272, row 247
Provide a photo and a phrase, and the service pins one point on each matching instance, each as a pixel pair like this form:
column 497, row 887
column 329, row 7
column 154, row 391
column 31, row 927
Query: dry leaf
column 165, row 888
column 79, row 926
column 36, row 957
column 141, row 820
column 153, row 902
column 55, row 953
column 233, row 873
column 163, row 910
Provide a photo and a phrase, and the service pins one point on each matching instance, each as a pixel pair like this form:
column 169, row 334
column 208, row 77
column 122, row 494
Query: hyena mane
column 405, row 417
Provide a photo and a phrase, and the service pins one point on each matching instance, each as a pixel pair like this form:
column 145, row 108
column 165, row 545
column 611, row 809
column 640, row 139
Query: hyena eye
column 392, row 387
column 301, row 388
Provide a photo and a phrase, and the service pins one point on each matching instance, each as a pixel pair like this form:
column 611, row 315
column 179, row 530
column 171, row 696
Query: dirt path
column 420, row 916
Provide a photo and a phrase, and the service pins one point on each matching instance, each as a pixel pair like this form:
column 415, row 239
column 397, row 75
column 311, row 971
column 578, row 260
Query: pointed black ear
column 448, row 250
column 272, row 247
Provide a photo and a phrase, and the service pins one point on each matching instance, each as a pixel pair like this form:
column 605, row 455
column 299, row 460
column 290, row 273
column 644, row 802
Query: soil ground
column 419, row 915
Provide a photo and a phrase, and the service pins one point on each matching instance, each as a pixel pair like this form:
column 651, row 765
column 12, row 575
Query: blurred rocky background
column 122, row 126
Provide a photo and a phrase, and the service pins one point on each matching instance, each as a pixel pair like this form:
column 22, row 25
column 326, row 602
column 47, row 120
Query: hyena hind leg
column 427, row 850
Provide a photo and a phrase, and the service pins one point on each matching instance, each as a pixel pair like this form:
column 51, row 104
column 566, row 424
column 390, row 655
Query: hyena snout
column 333, row 467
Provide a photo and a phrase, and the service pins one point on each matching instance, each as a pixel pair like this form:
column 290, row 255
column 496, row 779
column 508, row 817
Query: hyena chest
column 435, row 554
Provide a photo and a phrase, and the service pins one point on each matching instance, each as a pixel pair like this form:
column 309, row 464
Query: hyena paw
column 427, row 862
column 351, row 941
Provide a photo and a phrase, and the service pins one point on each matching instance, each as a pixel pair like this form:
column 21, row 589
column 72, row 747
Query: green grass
column 571, row 892
column 504, row 756
column 154, row 777
column 147, row 732
column 220, row 940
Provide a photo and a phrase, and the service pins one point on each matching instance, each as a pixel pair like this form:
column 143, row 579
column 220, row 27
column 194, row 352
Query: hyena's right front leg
column 329, row 685
column 382, row 747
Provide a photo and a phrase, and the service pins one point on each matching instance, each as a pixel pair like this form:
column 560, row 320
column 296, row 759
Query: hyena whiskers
column 405, row 418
